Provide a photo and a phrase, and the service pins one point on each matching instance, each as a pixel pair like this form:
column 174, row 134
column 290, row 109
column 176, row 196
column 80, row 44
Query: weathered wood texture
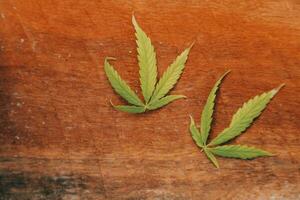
column 61, row 139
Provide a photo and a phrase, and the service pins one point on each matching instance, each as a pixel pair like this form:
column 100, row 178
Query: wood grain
column 61, row 139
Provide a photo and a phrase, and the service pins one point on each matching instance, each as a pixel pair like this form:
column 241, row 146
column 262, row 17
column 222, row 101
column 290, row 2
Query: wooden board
column 61, row 139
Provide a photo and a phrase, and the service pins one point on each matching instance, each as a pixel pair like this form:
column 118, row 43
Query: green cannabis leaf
column 154, row 93
column 241, row 120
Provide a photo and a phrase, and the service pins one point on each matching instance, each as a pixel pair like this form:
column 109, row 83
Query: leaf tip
column 276, row 90
column 134, row 22
column 269, row 154
column 216, row 164
column 109, row 58
column 227, row 72
column 192, row 122
column 111, row 103
column 280, row 86
column 191, row 45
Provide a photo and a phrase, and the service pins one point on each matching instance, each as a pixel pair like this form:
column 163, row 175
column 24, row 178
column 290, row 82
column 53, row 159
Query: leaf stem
column 146, row 106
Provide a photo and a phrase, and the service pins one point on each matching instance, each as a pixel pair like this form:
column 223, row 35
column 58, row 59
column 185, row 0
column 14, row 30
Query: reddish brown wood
column 61, row 139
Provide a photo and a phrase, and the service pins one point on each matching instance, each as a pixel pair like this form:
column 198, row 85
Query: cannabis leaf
column 154, row 93
column 241, row 120
column 147, row 61
column 121, row 86
column 239, row 151
column 206, row 117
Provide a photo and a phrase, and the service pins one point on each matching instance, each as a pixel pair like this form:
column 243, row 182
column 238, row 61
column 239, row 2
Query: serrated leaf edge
column 119, row 108
column 112, row 73
column 146, row 60
column 249, row 148
column 218, row 141
column 165, row 78
column 196, row 134
column 208, row 110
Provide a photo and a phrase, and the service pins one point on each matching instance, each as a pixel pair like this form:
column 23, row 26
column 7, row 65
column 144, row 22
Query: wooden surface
column 61, row 139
